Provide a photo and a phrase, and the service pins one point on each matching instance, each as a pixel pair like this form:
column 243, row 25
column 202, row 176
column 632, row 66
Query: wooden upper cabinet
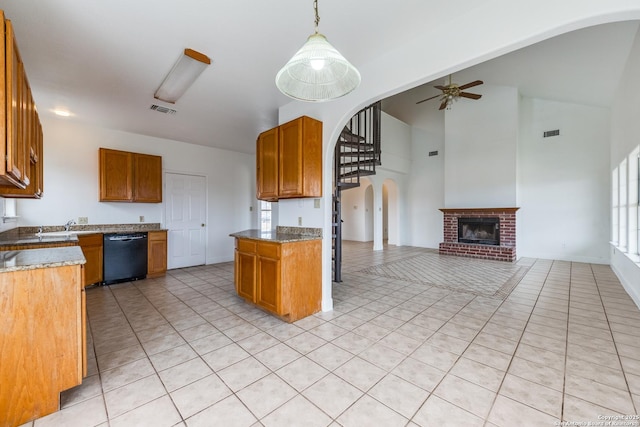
column 21, row 139
column 12, row 165
column 298, row 167
column 147, row 178
column 116, row 175
column 267, row 165
column 130, row 177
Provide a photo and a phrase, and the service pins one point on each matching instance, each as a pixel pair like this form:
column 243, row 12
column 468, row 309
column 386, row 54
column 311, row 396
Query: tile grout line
column 624, row 372
column 506, row 372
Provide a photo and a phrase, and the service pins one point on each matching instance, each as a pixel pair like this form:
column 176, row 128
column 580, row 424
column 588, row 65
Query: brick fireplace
column 474, row 239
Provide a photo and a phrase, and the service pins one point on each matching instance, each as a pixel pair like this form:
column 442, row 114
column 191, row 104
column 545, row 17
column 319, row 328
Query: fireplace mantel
column 505, row 251
column 478, row 210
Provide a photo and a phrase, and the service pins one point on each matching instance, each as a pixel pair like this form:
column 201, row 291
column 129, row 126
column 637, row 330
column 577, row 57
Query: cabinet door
column 14, row 163
column 245, row 264
column 291, row 161
column 157, row 253
column 91, row 245
column 267, row 165
column 268, row 289
column 147, row 178
column 269, row 286
column 116, row 178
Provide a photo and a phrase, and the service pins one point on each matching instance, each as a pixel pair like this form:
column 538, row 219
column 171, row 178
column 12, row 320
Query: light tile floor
column 185, row 350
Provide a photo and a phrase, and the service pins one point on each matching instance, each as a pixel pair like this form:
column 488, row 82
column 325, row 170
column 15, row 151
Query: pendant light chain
column 315, row 7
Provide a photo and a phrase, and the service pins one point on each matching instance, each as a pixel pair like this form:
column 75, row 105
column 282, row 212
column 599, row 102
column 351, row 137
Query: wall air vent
column 161, row 109
column 433, row 153
column 549, row 133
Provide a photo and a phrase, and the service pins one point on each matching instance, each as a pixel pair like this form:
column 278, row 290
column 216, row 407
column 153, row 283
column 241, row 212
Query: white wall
column 71, row 182
column 391, row 210
column 481, row 143
column 564, row 183
column 426, row 183
column 355, row 209
column 396, row 144
column 625, row 131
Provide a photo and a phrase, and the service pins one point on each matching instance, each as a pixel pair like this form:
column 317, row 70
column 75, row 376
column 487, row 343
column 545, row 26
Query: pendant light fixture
column 317, row 72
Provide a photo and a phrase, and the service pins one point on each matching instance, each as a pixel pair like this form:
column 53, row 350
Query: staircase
column 356, row 154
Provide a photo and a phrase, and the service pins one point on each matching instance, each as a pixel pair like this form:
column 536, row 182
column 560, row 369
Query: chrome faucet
column 68, row 225
column 39, row 233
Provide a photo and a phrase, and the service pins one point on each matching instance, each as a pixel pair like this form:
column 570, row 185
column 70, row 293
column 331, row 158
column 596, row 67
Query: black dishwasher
column 125, row 257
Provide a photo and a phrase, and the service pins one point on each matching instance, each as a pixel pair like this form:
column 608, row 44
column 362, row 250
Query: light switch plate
column 141, row 218
column 316, row 203
column 83, row 220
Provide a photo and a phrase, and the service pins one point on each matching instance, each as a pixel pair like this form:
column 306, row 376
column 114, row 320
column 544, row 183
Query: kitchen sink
column 66, row 233
column 57, row 234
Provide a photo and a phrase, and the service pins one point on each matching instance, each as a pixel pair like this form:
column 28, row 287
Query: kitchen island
column 43, row 324
column 280, row 270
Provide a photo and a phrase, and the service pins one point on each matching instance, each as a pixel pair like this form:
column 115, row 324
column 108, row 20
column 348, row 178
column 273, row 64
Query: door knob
column 201, row 225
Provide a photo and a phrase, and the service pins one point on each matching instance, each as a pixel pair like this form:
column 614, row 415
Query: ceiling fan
column 452, row 92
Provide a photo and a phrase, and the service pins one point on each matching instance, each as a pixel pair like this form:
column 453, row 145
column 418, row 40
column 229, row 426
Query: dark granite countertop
column 32, row 259
column 281, row 234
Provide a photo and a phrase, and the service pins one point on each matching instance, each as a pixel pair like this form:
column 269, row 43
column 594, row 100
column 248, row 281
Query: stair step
column 348, row 185
column 361, row 172
column 362, row 146
column 365, row 154
column 360, row 163
column 347, row 136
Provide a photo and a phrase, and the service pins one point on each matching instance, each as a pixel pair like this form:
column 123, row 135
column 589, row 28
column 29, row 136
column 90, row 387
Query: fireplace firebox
column 480, row 231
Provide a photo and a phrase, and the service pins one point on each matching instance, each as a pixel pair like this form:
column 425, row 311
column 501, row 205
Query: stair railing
column 357, row 153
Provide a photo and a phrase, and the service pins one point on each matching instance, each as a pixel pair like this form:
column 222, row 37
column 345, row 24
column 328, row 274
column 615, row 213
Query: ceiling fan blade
column 420, row 102
column 443, row 105
column 472, row 84
column 470, row 95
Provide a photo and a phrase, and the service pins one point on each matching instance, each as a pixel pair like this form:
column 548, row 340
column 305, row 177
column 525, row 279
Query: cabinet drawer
column 90, row 239
column 246, row 246
column 269, row 250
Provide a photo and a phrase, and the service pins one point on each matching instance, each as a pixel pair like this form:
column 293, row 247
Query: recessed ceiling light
column 61, row 113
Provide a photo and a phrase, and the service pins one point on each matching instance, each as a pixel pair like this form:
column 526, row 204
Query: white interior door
column 185, row 219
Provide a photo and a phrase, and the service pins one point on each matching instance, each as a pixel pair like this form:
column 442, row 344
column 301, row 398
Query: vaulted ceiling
column 103, row 61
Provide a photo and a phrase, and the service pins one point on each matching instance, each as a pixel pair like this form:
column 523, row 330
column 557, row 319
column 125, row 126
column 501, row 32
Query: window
column 265, row 216
column 625, row 205
column 622, row 198
column 615, row 207
column 632, row 199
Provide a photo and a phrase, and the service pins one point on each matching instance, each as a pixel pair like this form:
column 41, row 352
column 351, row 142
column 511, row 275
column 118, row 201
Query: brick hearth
column 506, row 251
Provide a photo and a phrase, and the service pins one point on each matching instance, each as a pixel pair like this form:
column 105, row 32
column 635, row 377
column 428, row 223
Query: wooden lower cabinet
column 157, row 253
column 91, row 245
column 42, row 341
column 245, row 269
column 283, row 278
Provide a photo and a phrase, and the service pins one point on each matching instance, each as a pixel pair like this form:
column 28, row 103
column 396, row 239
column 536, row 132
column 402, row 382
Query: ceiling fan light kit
column 185, row 71
column 317, row 72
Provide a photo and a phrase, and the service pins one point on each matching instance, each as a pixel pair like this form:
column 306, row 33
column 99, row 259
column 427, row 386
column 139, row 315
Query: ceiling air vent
column 549, row 133
column 433, row 153
column 161, row 109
